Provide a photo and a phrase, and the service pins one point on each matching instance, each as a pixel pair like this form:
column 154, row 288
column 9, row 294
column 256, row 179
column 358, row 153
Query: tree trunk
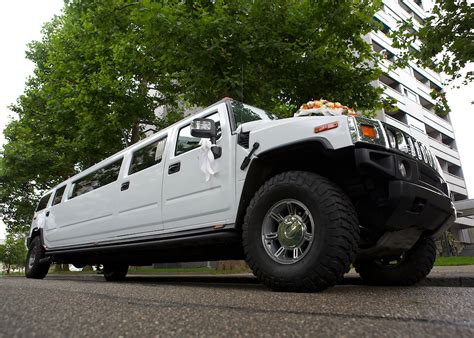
column 135, row 133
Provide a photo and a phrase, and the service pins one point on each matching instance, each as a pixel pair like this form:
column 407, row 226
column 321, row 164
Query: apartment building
column 411, row 87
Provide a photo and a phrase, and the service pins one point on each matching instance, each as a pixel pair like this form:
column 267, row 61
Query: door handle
column 174, row 168
column 124, row 186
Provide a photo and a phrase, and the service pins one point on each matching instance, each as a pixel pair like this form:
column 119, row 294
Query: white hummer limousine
column 300, row 199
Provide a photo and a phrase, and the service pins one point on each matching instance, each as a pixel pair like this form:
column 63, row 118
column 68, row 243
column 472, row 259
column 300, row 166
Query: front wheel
column 34, row 268
column 300, row 233
column 115, row 272
column 403, row 270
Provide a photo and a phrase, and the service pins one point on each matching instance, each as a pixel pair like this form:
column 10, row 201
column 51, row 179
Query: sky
column 21, row 22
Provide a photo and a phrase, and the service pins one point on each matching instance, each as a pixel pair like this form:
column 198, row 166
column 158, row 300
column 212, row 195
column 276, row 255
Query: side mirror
column 204, row 128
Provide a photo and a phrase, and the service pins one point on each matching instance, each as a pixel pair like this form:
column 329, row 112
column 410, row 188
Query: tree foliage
column 13, row 252
column 446, row 39
column 103, row 67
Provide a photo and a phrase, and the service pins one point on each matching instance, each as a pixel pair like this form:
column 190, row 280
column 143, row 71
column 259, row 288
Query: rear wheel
column 403, row 270
column 115, row 272
column 300, row 232
column 34, row 268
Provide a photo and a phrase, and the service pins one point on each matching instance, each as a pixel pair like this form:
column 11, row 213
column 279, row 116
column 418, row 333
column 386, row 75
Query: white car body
column 158, row 202
column 145, row 216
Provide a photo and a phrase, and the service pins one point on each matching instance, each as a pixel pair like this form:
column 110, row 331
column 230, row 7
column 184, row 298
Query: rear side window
column 58, row 195
column 97, row 179
column 147, row 156
column 43, row 202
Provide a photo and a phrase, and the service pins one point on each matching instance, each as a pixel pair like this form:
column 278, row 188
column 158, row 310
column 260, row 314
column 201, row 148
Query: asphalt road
column 63, row 307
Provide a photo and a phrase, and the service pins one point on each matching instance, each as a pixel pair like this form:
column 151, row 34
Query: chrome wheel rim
column 32, row 258
column 288, row 231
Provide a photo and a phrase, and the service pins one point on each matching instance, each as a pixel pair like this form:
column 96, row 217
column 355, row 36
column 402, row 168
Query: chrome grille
column 409, row 145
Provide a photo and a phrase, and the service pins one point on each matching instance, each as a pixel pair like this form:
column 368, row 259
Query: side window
column 97, row 179
column 43, row 202
column 147, row 156
column 186, row 142
column 58, row 195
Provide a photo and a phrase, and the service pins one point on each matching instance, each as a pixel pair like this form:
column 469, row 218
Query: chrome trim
column 406, row 143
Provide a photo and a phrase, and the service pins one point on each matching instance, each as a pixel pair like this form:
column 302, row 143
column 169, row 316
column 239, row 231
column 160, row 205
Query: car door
column 51, row 224
column 189, row 201
column 139, row 203
column 88, row 215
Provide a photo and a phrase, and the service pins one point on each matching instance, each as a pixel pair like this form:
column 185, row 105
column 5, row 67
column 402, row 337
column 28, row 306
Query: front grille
column 401, row 141
column 408, row 145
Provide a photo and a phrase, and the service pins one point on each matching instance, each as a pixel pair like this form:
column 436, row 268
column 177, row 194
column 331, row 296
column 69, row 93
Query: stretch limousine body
column 300, row 199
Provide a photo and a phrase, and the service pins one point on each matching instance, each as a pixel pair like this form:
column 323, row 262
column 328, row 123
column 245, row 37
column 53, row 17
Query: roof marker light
column 326, row 126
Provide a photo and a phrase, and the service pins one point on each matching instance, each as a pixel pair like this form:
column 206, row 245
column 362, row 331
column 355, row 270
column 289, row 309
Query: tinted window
column 58, row 195
column 147, row 156
column 43, row 202
column 97, row 179
column 245, row 113
column 186, row 142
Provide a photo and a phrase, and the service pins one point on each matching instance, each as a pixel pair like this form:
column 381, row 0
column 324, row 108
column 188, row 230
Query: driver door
column 189, row 201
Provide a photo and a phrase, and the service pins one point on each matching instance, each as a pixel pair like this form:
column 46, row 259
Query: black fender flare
column 34, row 233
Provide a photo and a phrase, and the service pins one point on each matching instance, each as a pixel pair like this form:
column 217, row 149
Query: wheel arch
column 306, row 155
column 36, row 232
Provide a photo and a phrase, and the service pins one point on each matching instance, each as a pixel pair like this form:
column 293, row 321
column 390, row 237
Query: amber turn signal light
column 325, row 127
column 368, row 131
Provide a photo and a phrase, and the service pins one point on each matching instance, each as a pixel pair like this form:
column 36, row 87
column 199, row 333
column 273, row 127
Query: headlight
column 411, row 146
column 401, row 142
column 392, row 140
column 418, row 150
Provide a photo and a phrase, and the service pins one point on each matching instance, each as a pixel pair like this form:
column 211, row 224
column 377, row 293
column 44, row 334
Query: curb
column 442, row 281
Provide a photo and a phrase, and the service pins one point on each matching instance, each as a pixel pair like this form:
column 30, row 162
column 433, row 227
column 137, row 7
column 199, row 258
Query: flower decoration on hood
column 324, row 108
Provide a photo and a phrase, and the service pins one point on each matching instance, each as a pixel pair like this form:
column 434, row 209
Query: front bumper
column 418, row 199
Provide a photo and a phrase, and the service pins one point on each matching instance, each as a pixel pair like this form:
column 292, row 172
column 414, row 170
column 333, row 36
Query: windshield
column 244, row 113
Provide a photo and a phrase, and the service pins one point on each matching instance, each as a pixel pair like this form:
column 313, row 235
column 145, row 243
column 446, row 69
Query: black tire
column 33, row 268
column 115, row 272
column 411, row 267
column 336, row 233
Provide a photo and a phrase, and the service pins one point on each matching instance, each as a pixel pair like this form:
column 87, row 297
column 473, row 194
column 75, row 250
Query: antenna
column 242, row 83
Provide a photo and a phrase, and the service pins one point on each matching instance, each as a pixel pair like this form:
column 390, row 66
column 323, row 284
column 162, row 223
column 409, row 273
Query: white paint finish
column 139, row 206
column 188, row 200
column 84, row 219
column 272, row 134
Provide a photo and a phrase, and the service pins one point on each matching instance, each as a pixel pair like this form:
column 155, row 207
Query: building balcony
column 456, row 183
column 443, row 147
column 436, row 122
column 415, row 8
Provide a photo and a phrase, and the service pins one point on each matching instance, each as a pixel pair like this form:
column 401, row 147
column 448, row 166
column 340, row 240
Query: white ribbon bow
column 206, row 158
column 41, row 220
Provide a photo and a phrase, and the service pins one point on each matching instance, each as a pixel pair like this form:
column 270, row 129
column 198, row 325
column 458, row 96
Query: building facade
column 411, row 88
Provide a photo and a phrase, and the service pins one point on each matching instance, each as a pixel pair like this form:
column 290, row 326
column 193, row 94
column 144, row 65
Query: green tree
column 13, row 252
column 446, row 38
column 103, row 67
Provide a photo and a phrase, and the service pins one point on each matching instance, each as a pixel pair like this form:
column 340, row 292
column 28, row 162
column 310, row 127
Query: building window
column 455, row 170
column 410, row 94
column 386, row 54
column 390, row 82
column 383, row 27
column 399, row 115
